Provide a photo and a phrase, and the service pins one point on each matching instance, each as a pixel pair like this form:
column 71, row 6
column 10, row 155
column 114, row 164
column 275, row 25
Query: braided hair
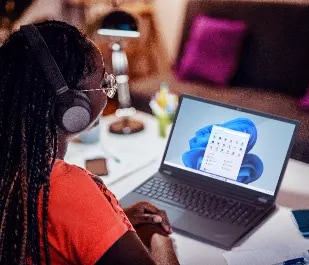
column 28, row 135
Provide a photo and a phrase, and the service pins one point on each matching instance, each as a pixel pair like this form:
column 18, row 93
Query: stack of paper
column 274, row 241
column 267, row 256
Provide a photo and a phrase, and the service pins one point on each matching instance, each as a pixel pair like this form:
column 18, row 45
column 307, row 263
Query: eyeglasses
column 109, row 85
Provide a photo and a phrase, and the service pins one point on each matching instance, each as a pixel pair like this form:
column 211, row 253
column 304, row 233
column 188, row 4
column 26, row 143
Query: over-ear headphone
column 72, row 110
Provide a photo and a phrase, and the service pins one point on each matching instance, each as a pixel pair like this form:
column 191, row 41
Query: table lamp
column 119, row 25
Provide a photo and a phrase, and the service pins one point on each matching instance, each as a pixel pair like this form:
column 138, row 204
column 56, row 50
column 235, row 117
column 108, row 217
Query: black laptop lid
column 229, row 146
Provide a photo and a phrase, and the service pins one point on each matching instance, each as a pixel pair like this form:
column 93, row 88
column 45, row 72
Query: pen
column 296, row 261
column 111, row 155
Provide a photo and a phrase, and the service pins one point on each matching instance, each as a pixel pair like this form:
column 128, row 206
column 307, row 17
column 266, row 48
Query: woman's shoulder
column 62, row 167
column 77, row 203
column 67, row 174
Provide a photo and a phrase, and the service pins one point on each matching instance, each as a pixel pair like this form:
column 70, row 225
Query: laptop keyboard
column 203, row 203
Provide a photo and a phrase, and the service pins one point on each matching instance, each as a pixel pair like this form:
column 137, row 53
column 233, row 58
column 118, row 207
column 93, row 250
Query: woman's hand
column 147, row 213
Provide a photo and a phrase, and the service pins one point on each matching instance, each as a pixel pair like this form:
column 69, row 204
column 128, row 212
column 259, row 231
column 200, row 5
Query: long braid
column 28, row 136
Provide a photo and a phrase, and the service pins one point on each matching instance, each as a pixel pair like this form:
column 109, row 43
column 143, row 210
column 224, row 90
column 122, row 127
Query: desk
column 135, row 151
column 277, row 229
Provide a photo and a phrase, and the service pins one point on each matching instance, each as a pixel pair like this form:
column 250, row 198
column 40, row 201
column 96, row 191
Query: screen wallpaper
column 234, row 146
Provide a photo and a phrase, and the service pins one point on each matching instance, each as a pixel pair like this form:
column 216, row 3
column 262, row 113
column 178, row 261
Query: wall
column 170, row 15
column 41, row 9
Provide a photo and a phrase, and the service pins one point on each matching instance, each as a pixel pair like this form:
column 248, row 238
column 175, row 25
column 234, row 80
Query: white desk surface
column 278, row 228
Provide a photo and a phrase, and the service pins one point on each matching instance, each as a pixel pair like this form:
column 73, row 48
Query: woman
column 52, row 212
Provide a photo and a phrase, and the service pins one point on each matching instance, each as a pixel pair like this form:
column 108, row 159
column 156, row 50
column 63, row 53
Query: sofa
column 272, row 73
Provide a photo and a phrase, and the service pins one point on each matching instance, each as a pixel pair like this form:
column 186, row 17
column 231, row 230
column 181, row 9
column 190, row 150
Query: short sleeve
column 84, row 221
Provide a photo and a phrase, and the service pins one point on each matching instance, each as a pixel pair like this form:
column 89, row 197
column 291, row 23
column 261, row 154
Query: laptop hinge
column 167, row 172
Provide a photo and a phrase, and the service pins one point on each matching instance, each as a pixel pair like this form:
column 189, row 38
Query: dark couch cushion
column 276, row 51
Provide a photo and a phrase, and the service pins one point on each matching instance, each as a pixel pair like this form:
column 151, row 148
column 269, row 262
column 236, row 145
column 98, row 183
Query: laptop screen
column 229, row 143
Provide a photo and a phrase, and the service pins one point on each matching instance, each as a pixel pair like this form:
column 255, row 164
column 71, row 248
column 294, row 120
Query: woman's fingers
column 165, row 222
column 145, row 212
column 148, row 219
column 150, row 208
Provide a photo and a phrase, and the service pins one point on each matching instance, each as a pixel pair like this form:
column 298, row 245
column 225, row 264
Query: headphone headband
column 45, row 58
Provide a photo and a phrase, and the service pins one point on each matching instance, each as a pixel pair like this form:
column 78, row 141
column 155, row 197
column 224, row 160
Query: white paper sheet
column 121, row 162
column 276, row 240
column 267, row 256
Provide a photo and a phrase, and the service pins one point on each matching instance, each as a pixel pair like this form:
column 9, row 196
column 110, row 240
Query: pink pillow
column 212, row 50
column 304, row 101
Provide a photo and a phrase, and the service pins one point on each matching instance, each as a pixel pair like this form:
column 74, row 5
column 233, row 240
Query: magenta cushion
column 304, row 101
column 212, row 50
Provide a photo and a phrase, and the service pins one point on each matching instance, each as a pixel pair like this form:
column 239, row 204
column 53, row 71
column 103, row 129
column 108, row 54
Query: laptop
column 221, row 170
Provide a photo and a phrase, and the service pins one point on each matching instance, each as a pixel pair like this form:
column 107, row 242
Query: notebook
column 221, row 170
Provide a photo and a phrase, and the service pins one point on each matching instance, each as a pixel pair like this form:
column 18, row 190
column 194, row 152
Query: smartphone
column 97, row 166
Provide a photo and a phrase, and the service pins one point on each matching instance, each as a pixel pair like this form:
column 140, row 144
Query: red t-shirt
column 84, row 220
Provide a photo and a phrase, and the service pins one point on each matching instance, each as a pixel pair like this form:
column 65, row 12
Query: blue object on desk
column 302, row 219
column 297, row 261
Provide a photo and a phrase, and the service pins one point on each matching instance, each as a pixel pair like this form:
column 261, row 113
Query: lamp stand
column 126, row 125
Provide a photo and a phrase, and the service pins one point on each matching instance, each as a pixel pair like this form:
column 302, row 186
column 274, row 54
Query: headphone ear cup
column 72, row 111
